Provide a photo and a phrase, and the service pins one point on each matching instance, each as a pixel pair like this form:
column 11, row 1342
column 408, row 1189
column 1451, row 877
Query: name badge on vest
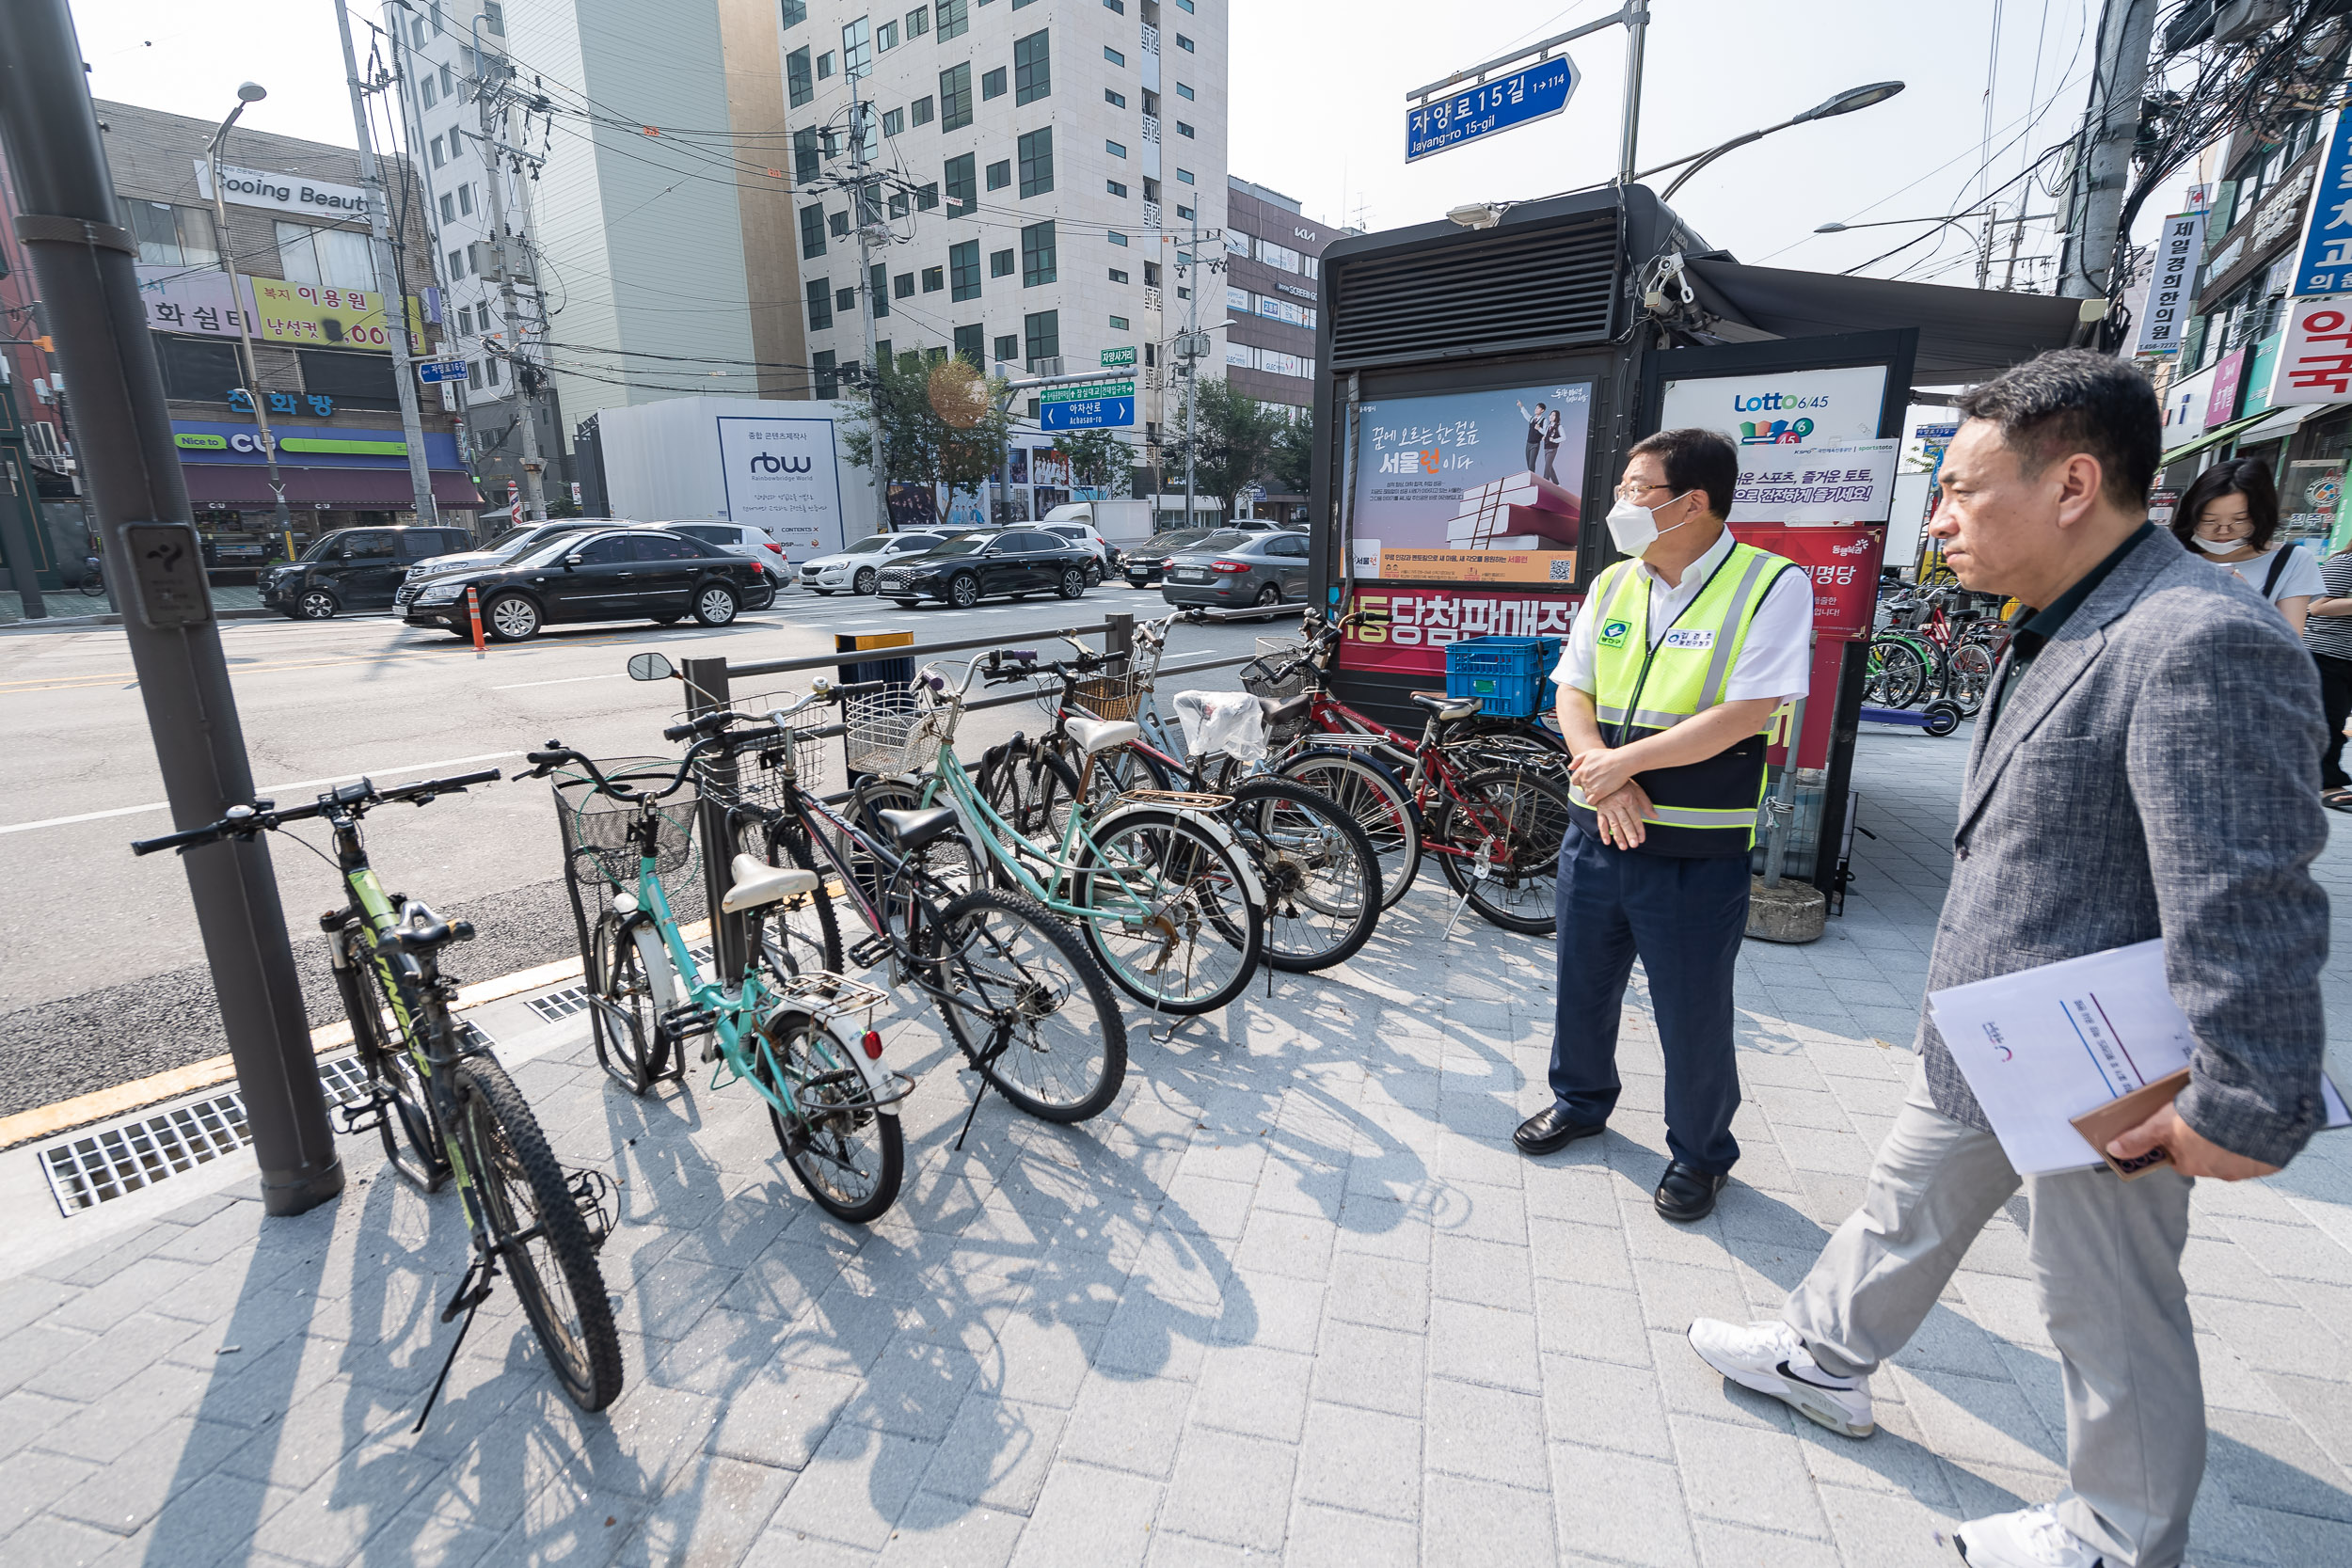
column 1690, row 636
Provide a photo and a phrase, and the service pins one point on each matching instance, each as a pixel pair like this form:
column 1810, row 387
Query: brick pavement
column 1296, row 1298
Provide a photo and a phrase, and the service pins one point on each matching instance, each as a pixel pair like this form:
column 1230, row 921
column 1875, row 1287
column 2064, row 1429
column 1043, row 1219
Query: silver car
column 1231, row 567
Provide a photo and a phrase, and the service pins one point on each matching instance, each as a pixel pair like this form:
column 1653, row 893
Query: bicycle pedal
column 366, row 1115
column 678, row 1022
column 870, row 951
column 593, row 1192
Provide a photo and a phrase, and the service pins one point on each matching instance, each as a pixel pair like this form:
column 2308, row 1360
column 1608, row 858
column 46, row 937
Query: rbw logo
column 764, row 463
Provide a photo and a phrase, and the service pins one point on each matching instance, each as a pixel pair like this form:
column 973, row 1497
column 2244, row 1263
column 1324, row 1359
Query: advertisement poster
column 1844, row 562
column 2311, row 498
column 2164, row 321
column 313, row 315
column 779, row 476
column 1049, row 466
column 1809, row 445
column 1474, row 486
column 1422, row 623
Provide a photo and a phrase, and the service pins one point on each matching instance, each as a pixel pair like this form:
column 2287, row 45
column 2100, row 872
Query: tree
column 1099, row 458
column 1232, row 444
column 940, row 424
column 1294, row 465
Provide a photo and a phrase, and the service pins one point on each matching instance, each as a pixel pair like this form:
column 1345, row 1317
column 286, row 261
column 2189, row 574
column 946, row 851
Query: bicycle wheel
column 1031, row 1008
column 950, row 859
column 1115, row 773
column 384, row 1053
column 800, row 934
column 1511, row 831
column 1371, row 795
column 1169, row 912
column 1322, row 879
column 626, row 1001
column 1031, row 788
column 534, row 1220
column 1898, row 673
column 1968, row 676
column 848, row 1153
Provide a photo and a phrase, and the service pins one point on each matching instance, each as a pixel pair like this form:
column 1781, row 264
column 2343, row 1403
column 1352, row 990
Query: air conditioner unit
column 482, row 260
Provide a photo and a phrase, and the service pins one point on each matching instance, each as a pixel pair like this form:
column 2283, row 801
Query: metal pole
column 2111, row 126
column 241, row 307
column 519, row 371
column 861, row 193
column 84, row 266
column 395, row 298
column 1636, row 29
column 1783, row 807
column 1192, row 363
column 706, row 692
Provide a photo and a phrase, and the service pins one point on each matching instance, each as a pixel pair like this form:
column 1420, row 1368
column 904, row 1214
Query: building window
column 877, row 286
column 972, row 346
column 436, row 152
column 1042, row 332
column 1151, row 274
column 798, row 78
column 812, row 231
column 464, row 322
column 448, row 208
column 1115, row 187
column 807, row 157
column 456, row 266
column 1007, row 347
column 954, row 19
column 794, row 13
column 1037, row 161
column 1118, row 324
column 325, row 258
column 1116, row 100
column 824, row 65
column 1117, row 277
column 840, row 225
column 902, row 286
column 885, row 38
column 935, row 279
column 918, row 23
column 894, row 122
column 963, row 261
column 898, row 203
column 424, row 88
column 1184, row 43
column 1183, row 130
column 473, row 376
column 1037, row 254
column 845, row 300
column 962, row 188
column 465, row 200
column 919, row 112
column 491, row 371
column 1113, row 56
column 449, row 83
column 993, row 84
column 1117, row 150
column 1185, row 212
column 927, row 197
column 857, row 49
column 1116, row 237
column 955, row 97
column 1000, row 174
column 199, row 370
column 1032, row 68
column 1117, row 7
column 173, row 236
column 828, row 378
column 1182, row 91
column 1000, row 263
column 1184, row 5
column 1185, row 176
column 819, row 305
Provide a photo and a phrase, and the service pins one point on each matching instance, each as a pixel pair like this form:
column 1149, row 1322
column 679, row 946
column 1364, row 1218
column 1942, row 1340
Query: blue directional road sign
column 1094, row 406
column 430, row 371
column 1531, row 92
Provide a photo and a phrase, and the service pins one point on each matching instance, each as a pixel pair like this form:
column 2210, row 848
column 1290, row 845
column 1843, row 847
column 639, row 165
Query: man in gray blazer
column 2141, row 769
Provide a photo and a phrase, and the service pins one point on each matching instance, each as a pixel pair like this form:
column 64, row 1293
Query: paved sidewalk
column 1295, row 1298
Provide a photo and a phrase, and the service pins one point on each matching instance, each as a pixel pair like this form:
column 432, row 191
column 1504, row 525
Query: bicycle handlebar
column 356, row 799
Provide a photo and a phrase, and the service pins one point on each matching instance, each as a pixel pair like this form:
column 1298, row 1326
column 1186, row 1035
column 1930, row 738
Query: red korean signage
column 2314, row 353
column 1843, row 561
column 1423, row 621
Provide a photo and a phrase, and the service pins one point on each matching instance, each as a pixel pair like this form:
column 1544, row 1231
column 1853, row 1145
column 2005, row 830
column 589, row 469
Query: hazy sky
column 1317, row 97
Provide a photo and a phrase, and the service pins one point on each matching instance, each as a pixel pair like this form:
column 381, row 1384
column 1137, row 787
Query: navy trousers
column 1683, row 917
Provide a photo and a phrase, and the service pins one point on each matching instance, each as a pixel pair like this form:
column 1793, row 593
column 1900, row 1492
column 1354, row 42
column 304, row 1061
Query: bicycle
column 1495, row 829
column 831, row 1101
column 1023, row 1000
column 94, row 582
column 449, row 1102
column 1165, row 900
column 1316, row 864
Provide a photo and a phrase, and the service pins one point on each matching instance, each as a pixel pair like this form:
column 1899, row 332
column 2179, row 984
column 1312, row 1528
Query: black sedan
column 1147, row 562
column 965, row 568
column 638, row 573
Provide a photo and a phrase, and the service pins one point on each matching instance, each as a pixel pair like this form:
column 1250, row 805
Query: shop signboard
column 2259, row 365
column 2184, row 403
column 1843, row 563
column 1531, row 94
column 2229, row 376
column 1425, row 621
column 2324, row 264
column 779, row 474
column 310, row 315
column 2164, row 320
column 1808, row 440
column 1472, row 487
column 2315, row 360
column 2310, row 499
column 283, row 192
column 179, row 299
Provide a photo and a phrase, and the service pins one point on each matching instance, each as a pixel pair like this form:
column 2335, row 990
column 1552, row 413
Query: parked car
column 1264, row 525
column 353, row 568
column 1105, row 559
column 858, row 568
column 739, row 539
column 1233, row 567
column 507, row 546
column 965, row 568
column 616, row 575
column 1148, row 561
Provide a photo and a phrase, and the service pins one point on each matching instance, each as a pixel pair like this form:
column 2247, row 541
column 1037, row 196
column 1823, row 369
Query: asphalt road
column 104, row 980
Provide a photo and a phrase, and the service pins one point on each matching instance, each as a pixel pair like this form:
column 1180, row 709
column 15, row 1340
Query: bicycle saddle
column 1447, row 707
column 914, row 829
column 758, row 882
column 1285, row 710
column 1102, row 734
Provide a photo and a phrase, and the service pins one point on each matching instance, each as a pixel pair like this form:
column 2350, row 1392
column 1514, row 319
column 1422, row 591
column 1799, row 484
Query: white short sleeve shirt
column 1777, row 660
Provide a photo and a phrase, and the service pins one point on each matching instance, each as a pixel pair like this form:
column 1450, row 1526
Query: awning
column 247, row 485
column 2213, row 438
column 2279, row 422
column 1964, row 334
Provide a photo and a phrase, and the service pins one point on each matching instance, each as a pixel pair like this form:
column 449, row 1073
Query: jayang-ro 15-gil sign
column 1531, row 94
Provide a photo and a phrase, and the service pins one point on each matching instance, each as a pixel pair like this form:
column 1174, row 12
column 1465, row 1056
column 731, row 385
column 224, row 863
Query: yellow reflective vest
column 1642, row 684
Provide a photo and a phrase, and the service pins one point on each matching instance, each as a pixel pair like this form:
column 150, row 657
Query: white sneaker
column 1771, row 1359
column 2030, row 1537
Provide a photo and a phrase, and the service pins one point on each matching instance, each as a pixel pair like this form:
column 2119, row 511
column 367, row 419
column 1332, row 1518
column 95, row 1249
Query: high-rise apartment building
column 1045, row 164
column 1273, row 284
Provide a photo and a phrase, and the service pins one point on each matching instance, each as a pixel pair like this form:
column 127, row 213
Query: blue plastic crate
column 1508, row 674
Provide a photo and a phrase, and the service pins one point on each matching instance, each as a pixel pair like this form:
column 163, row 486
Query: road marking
column 267, row 792
column 568, row 680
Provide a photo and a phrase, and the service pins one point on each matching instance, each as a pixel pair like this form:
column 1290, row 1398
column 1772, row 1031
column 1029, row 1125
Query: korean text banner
column 779, row 476
column 2325, row 264
column 193, row 300
column 2315, row 363
column 1472, row 487
column 1423, row 621
column 311, row 315
column 1808, row 440
column 2164, row 321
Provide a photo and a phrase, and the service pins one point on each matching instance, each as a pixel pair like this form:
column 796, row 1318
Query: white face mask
column 1634, row 528
column 2220, row 547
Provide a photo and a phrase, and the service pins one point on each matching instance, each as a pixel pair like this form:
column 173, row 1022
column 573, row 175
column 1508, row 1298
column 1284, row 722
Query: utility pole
column 1192, row 363
column 85, row 265
column 395, row 298
column 866, row 216
column 2103, row 172
column 2016, row 242
column 250, row 92
column 1636, row 15
column 519, row 370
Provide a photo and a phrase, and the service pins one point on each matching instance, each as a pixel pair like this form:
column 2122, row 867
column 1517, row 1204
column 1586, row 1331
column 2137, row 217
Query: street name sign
column 1119, row 357
column 1531, row 94
column 1094, row 406
column 430, row 371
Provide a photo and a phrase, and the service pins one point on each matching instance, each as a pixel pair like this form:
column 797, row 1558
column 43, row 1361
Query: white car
column 856, row 569
column 1105, row 559
column 738, row 539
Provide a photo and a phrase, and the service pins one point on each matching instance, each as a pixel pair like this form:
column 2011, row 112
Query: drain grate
column 558, row 1004
column 96, row 1167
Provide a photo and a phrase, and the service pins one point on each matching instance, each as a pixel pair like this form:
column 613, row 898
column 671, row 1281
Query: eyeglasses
column 1635, row 492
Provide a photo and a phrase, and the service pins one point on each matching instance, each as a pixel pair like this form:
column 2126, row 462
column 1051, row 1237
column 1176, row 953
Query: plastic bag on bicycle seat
column 1227, row 722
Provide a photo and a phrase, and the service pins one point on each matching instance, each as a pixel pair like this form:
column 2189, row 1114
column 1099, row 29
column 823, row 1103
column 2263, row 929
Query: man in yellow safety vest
column 1673, row 670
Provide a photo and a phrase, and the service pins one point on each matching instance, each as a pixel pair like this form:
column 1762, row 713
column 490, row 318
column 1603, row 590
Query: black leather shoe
column 1687, row 1193
column 1551, row 1129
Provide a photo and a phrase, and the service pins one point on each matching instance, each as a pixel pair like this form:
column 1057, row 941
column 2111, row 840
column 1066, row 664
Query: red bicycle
column 1494, row 826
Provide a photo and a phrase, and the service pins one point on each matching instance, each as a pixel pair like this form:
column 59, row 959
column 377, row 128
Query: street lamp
column 1843, row 104
column 248, row 93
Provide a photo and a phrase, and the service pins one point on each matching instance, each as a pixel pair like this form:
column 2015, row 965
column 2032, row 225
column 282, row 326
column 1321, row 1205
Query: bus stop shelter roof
column 1964, row 334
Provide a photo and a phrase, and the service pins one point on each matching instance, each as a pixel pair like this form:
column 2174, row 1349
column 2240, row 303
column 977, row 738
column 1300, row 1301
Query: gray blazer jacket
column 2154, row 773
